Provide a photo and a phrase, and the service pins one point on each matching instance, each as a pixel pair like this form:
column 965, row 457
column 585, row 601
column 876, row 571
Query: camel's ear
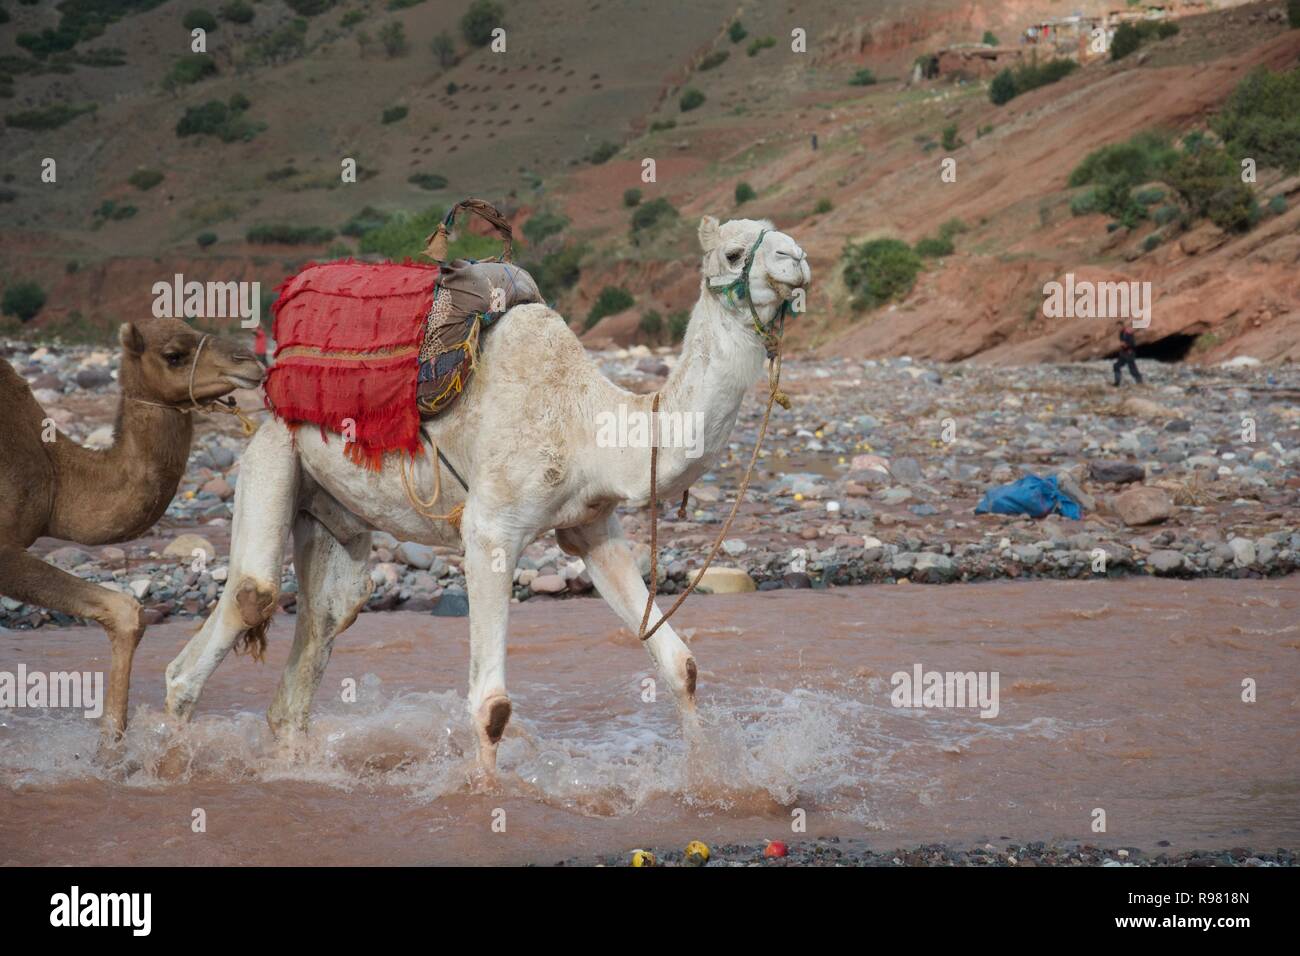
column 710, row 234
column 131, row 339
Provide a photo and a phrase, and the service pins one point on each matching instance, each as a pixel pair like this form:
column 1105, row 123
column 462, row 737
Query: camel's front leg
column 26, row 578
column 491, row 550
column 265, row 503
column 617, row 578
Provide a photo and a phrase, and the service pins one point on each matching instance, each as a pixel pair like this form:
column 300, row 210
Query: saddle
column 366, row 350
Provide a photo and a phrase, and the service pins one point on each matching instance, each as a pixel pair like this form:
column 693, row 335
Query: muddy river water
column 1124, row 696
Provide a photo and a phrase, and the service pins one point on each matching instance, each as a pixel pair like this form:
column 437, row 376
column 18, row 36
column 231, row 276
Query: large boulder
column 1143, row 505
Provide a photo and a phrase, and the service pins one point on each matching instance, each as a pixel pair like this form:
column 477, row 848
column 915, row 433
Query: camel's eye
column 174, row 359
column 734, row 255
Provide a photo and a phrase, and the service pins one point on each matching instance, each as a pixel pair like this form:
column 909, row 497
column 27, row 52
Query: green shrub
column 1003, row 87
column 744, row 193
column 863, row 77
column 225, row 121
column 49, row 117
column 4, row 15
column 284, row 43
column 1126, row 40
column 558, row 270
column 188, row 70
column 658, row 126
column 1209, row 183
column 237, row 11
column 758, row 45
column 1261, row 119
column 444, row 49
column 736, row 32
column 650, row 214
column 953, row 227
column 602, row 153
column 612, row 299
column 1009, row 84
column 199, row 19
column 651, row 324
column 394, row 114
column 393, row 36
column 205, row 239
column 631, row 197
column 482, row 17
column 403, row 4
column 823, row 206
column 544, row 224
column 677, row 323
column 1166, row 214
column 1293, row 13
column 714, row 60
column 1085, row 203
column 23, row 300
column 287, row 235
column 145, row 179
column 690, row 100
column 351, row 18
column 933, row 247
column 879, row 271
column 1152, row 241
column 309, row 8
column 429, row 181
column 1140, row 159
column 989, row 39
column 1149, row 197
column 1276, row 206
column 951, row 140
column 367, row 220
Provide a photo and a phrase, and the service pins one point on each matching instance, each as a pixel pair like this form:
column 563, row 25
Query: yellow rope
column 422, row 507
column 775, row 397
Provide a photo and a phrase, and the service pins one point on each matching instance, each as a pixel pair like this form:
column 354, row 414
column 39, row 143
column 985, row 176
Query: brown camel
column 60, row 489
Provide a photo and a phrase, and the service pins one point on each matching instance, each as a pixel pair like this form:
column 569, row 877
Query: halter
column 739, row 288
column 227, row 404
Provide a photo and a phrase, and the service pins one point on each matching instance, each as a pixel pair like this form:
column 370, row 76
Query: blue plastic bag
column 1031, row 495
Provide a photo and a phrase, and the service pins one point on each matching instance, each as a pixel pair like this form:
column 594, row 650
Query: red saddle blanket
column 348, row 349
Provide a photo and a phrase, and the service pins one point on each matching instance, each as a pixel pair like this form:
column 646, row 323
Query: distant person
column 1127, row 354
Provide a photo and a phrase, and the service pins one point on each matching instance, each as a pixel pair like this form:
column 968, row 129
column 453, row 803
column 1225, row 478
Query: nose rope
column 216, row 405
column 194, row 367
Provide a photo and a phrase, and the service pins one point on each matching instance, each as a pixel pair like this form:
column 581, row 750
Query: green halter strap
column 738, row 289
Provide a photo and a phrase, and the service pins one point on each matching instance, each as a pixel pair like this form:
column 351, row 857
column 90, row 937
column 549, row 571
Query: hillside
column 559, row 125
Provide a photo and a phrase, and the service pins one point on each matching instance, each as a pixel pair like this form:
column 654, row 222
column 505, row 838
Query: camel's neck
column 120, row 492
column 722, row 357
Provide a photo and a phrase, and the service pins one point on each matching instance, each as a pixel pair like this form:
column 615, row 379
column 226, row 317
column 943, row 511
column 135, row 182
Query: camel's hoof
column 111, row 749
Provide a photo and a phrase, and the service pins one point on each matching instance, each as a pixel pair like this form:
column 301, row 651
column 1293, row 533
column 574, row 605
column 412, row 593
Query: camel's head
column 166, row 361
column 779, row 265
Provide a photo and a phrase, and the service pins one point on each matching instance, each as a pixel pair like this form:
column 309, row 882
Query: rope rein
column 771, row 334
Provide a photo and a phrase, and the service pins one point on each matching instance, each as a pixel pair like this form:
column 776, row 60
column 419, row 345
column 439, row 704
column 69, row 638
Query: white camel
column 524, row 438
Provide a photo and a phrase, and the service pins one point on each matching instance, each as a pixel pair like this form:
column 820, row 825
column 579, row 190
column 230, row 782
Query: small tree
column 199, row 19
column 744, row 193
column 989, row 38
column 1293, row 13
column 1126, row 40
column 24, row 300
column 691, row 99
column 736, row 32
column 1003, row 88
column 393, row 37
column 444, row 49
column 631, row 197
column 482, row 17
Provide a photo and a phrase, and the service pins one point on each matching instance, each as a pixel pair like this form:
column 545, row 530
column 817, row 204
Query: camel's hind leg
column 614, row 572
column 332, row 588
column 26, row 578
column 265, row 503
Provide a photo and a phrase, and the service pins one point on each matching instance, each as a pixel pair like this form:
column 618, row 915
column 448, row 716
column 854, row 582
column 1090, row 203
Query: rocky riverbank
column 833, row 851
column 872, row 477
